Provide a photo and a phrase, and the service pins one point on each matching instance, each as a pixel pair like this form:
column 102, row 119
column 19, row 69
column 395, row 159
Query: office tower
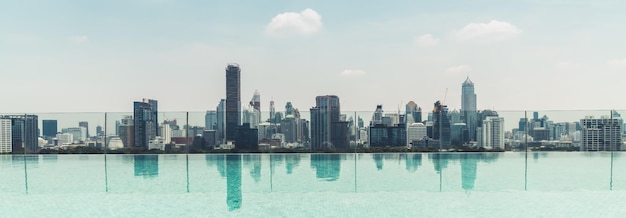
column 468, row 108
column 251, row 116
column 458, row 134
column 233, row 100
column 5, row 135
column 377, row 118
column 387, row 132
column 327, row 131
column 210, row 120
column 288, row 109
column 117, row 127
column 127, row 131
column 289, row 128
column 272, row 111
column 600, row 134
column 221, row 120
column 145, row 122
column 99, row 131
column 247, row 138
column 441, row 125
column 24, row 132
column 416, row 132
column 86, row 125
column 49, row 128
column 256, row 104
column 491, row 133
column 414, row 111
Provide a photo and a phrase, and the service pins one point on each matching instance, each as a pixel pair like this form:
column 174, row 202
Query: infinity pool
column 315, row 185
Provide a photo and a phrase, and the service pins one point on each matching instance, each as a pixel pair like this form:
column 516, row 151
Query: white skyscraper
column 5, row 136
column 491, row 133
column 603, row 134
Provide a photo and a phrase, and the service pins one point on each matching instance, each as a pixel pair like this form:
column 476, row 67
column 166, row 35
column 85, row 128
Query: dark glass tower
column 327, row 131
column 468, row 108
column 86, row 125
column 145, row 122
column 441, row 125
column 50, row 128
column 233, row 100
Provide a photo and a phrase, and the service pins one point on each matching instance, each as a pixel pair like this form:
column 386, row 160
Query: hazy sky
column 68, row 56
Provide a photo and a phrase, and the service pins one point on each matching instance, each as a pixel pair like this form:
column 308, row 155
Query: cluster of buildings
column 242, row 126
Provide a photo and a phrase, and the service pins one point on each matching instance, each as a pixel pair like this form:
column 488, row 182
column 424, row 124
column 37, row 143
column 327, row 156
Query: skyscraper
column 415, row 112
column 441, row 124
column 50, row 128
column 86, row 125
column 468, row 108
column 210, row 120
column 600, row 134
column 5, row 135
column 145, row 122
column 233, row 100
column 492, row 133
column 327, row 131
column 256, row 104
column 24, row 132
column 221, row 120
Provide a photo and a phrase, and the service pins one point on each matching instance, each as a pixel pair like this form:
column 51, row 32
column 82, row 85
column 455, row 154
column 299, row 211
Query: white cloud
column 426, row 41
column 459, row 69
column 487, row 32
column 294, row 23
column 78, row 39
column 351, row 73
column 617, row 64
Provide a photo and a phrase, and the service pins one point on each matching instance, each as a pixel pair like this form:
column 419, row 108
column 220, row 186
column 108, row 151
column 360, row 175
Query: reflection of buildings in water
column 31, row 160
column 413, row 161
column 440, row 161
column 291, row 162
column 253, row 163
column 83, row 157
column 378, row 159
column 537, row 155
column 233, row 182
column 146, row 165
column 327, row 166
column 469, row 163
column 219, row 160
column 50, row 158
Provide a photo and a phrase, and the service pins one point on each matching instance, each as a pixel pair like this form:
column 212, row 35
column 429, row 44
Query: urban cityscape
column 239, row 126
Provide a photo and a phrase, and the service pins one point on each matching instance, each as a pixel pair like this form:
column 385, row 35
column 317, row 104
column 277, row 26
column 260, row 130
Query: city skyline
column 293, row 51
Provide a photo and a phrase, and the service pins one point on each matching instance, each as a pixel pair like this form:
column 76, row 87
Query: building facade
column 468, row 108
column 233, row 100
column 5, row 136
column 600, row 134
column 146, row 126
column 50, row 128
column 327, row 131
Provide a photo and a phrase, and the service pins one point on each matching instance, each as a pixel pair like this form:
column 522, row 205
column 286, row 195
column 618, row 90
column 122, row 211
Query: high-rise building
column 491, row 133
column 468, row 108
column 127, row 131
column 272, row 111
column 441, row 125
column 24, row 132
column 99, row 131
column 416, row 132
column 5, row 136
column 145, row 122
column 221, row 120
column 86, row 125
column 233, row 100
column 327, row 131
column 414, row 111
column 600, row 134
column 256, row 104
column 50, row 128
column 210, row 120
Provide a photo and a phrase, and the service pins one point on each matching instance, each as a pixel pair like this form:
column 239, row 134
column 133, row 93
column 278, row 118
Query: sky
column 100, row 56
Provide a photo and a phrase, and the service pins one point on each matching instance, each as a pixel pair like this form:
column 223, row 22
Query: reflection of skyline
column 469, row 165
column 291, row 161
column 327, row 166
column 378, row 159
column 413, row 161
column 146, row 165
column 234, row 197
column 253, row 163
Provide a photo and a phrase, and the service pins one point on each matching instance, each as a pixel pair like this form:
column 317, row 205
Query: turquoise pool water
column 315, row 185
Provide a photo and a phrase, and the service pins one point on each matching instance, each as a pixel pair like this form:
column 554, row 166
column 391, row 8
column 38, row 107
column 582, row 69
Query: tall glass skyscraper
column 50, row 128
column 145, row 123
column 24, row 132
column 468, row 108
column 233, row 100
column 327, row 131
